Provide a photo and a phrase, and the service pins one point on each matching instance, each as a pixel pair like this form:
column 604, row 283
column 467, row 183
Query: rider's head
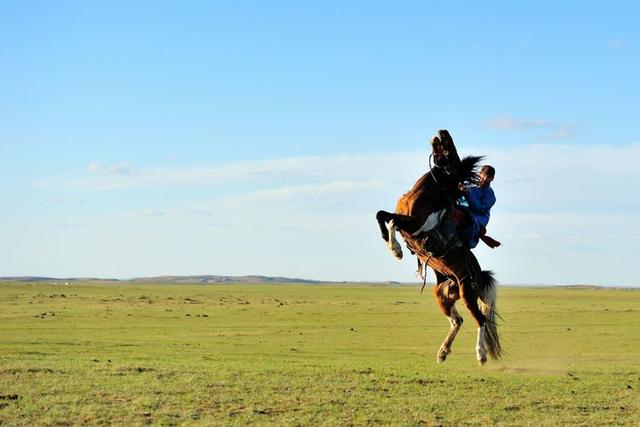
column 486, row 175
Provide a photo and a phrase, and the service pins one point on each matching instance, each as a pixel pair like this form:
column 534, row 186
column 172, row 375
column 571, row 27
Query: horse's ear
column 445, row 137
column 446, row 144
column 442, row 141
column 435, row 142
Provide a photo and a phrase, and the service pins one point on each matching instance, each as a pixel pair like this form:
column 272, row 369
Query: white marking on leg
column 393, row 244
column 432, row 222
column 481, row 350
column 455, row 322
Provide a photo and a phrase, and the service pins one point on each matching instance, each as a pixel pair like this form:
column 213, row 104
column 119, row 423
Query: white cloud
column 292, row 171
column 563, row 132
column 287, row 193
column 200, row 212
column 530, row 178
column 278, row 227
column 527, row 235
column 557, row 131
column 216, row 224
column 560, row 208
column 510, row 123
column 68, row 224
column 153, row 212
column 69, row 200
column 121, row 168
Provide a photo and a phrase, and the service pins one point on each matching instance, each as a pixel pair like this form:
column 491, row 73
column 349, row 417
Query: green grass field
column 301, row 355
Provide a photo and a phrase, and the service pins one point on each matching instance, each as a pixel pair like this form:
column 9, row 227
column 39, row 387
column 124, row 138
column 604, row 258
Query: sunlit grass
column 237, row 354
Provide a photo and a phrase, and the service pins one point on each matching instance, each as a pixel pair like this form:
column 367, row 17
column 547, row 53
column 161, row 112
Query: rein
column 424, row 275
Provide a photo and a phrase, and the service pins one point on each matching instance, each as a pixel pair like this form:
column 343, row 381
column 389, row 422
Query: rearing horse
column 418, row 215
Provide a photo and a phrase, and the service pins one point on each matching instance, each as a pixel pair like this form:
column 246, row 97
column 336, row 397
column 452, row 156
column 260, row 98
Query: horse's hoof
column 442, row 357
column 396, row 250
column 482, row 360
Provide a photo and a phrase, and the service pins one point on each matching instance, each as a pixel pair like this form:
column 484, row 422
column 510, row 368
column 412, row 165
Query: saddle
column 446, row 234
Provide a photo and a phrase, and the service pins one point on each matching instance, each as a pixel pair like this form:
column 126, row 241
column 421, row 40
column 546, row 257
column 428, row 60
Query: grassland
column 306, row 355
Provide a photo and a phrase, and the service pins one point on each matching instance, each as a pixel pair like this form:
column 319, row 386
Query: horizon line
column 274, row 280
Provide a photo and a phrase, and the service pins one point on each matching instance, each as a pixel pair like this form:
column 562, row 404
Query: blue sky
column 154, row 138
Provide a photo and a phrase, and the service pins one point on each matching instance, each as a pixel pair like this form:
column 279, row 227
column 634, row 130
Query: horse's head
column 448, row 170
column 444, row 150
column 439, row 188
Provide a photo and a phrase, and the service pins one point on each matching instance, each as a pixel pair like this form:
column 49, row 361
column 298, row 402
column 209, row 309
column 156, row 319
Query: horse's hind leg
column 470, row 298
column 446, row 293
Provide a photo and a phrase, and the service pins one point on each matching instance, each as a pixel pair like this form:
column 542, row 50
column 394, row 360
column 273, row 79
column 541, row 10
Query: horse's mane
column 468, row 168
column 465, row 171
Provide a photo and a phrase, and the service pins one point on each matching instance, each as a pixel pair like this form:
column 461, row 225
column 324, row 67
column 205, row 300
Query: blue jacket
column 480, row 200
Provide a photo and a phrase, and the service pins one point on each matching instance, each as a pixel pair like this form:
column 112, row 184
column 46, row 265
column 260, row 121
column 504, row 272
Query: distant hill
column 206, row 279
column 32, row 279
column 193, row 280
column 209, row 279
column 203, row 279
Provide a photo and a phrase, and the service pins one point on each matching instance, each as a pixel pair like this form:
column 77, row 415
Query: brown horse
column 419, row 216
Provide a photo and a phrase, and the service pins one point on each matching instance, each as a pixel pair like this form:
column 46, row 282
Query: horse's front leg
column 383, row 217
column 387, row 224
column 447, row 296
column 392, row 243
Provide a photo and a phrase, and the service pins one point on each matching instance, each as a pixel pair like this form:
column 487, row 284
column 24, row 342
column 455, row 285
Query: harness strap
column 424, row 276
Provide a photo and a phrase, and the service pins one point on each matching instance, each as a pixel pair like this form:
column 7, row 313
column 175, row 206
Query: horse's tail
column 488, row 297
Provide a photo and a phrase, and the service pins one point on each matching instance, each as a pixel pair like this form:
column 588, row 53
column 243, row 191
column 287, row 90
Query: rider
column 479, row 200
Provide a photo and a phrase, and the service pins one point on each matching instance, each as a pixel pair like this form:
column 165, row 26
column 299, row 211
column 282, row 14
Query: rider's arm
column 480, row 200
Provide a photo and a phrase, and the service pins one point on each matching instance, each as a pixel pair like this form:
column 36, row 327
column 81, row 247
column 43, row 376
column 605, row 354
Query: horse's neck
column 422, row 199
column 421, row 184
